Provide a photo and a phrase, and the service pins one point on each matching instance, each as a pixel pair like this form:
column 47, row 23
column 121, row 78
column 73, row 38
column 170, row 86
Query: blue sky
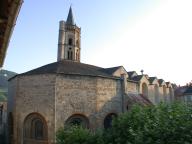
column 154, row 35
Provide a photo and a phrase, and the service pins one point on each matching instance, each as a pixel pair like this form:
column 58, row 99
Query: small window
column 70, row 41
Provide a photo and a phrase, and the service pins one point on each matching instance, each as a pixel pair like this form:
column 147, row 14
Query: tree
column 165, row 123
column 162, row 124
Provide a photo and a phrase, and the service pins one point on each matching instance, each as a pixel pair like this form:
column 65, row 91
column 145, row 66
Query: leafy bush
column 3, row 97
column 162, row 124
column 78, row 135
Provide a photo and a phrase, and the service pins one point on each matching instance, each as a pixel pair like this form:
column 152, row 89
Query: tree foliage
column 162, row 124
column 3, row 96
column 78, row 135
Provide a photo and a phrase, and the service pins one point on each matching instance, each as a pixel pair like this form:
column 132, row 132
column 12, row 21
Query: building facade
column 69, row 92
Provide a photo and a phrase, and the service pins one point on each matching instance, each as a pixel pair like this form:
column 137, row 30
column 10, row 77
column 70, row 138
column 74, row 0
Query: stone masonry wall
column 35, row 94
column 132, row 87
column 92, row 97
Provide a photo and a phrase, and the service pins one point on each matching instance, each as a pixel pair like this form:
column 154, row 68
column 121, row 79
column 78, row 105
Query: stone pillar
column 61, row 41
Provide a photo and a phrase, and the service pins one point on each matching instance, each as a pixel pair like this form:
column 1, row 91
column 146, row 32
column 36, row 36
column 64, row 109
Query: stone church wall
column 92, row 97
column 151, row 93
column 161, row 94
column 34, row 94
column 132, row 88
column 109, row 98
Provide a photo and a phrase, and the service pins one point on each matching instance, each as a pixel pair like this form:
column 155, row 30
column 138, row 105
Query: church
column 69, row 92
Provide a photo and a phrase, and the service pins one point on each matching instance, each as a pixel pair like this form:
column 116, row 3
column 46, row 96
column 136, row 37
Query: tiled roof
column 70, row 67
column 180, row 90
column 70, row 19
column 139, row 99
column 160, row 81
column 151, row 79
column 130, row 73
column 137, row 78
column 111, row 70
column 188, row 90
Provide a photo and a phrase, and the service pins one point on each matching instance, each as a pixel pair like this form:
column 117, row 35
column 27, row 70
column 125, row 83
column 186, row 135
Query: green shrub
column 162, row 124
column 78, row 135
column 3, row 97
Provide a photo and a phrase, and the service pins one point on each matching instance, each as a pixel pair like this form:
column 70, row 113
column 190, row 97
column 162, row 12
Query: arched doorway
column 35, row 129
column 108, row 120
column 156, row 94
column 145, row 90
column 78, row 120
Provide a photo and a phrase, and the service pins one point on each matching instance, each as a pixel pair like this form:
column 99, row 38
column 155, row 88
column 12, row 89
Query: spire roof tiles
column 70, row 19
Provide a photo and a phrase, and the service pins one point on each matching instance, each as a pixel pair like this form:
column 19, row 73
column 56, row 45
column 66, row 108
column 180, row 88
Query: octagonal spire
column 70, row 19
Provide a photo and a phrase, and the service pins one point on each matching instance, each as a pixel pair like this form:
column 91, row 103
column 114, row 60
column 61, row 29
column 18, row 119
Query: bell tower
column 69, row 39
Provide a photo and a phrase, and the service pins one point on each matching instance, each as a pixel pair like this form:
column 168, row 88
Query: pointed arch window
column 70, row 55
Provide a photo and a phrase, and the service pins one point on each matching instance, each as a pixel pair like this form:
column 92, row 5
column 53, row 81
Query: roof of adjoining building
column 71, row 68
column 188, row 90
column 179, row 91
column 151, row 79
column 160, row 81
column 130, row 73
column 139, row 99
column 111, row 70
column 137, row 78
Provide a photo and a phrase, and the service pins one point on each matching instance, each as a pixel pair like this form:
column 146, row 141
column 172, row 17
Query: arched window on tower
column 77, row 43
column 77, row 56
column 70, row 41
column 70, row 54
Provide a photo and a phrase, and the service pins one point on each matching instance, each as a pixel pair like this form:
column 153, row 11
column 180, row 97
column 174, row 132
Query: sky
column 153, row 35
